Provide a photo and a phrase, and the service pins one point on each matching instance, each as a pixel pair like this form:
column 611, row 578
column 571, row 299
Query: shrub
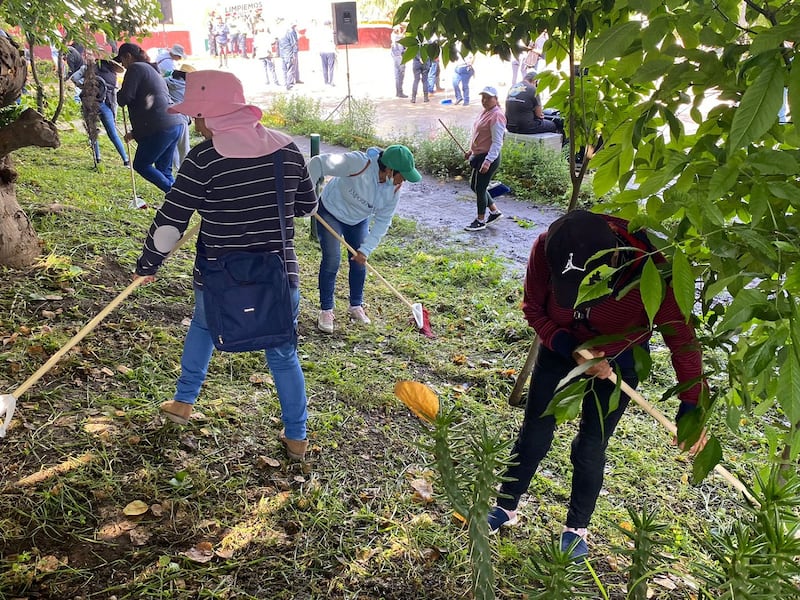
column 440, row 156
column 354, row 127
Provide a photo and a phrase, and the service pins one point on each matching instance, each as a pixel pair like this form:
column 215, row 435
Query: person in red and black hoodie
column 572, row 249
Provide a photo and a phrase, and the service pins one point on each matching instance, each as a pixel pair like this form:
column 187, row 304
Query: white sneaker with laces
column 358, row 315
column 325, row 321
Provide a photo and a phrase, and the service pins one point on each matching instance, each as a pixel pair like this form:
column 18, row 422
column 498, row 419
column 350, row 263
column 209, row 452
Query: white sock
column 582, row 531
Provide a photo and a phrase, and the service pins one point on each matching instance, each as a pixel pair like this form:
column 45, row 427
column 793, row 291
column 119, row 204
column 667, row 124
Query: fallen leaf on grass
column 50, row 563
column 423, row 491
column 459, row 359
column 157, row 510
column 201, row 553
column 139, row 536
column 123, row 369
column 262, row 462
column 431, row 555
column 114, row 529
column 135, row 508
column 665, row 582
column 262, row 379
column 459, row 518
column 48, row 314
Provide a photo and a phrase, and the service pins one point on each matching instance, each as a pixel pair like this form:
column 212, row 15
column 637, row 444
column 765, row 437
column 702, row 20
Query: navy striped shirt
column 236, row 200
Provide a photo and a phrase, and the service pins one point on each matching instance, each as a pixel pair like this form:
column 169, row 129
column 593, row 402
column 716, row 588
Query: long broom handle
column 335, row 234
column 670, row 426
column 130, row 157
column 94, row 322
column 515, row 399
column 454, row 137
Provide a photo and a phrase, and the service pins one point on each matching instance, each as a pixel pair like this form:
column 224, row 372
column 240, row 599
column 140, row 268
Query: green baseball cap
column 399, row 158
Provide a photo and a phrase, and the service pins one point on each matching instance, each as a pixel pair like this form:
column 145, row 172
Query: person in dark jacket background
column 571, row 250
column 144, row 92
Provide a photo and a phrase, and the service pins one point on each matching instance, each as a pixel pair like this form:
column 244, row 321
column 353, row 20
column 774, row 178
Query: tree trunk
column 19, row 246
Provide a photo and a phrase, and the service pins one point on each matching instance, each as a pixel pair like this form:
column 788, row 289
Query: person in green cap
column 365, row 187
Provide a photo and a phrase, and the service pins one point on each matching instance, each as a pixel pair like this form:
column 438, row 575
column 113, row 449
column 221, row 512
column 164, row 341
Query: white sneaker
column 325, row 321
column 358, row 315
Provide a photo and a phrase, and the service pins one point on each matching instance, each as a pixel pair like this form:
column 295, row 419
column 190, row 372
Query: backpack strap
column 369, row 161
column 281, row 201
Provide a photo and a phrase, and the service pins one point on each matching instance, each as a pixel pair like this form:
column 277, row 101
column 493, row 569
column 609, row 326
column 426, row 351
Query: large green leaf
column 683, row 283
column 788, row 392
column 611, row 43
column 759, row 106
column 651, row 287
column 567, row 402
column 706, row 460
column 773, row 162
column 742, row 309
column 723, row 179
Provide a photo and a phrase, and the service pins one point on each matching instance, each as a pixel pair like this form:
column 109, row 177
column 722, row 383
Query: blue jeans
column 107, row 119
column 157, row 149
column 433, row 76
column 588, row 453
column 332, row 256
column 282, row 361
column 461, row 79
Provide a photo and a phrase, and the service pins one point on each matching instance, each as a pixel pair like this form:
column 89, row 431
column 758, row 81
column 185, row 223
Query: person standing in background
column 396, row 50
column 222, row 36
column 287, row 46
column 484, row 156
column 104, row 73
column 327, row 51
column 420, row 68
column 266, row 46
column 461, row 75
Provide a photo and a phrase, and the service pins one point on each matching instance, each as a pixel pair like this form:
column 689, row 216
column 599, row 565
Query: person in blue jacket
column 365, row 188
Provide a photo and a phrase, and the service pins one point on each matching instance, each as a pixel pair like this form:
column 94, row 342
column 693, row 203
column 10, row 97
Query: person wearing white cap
column 484, row 156
column 229, row 180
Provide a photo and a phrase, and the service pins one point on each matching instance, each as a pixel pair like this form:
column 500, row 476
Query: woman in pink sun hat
column 230, row 181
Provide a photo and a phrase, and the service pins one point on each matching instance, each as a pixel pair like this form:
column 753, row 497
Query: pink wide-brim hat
column 211, row 93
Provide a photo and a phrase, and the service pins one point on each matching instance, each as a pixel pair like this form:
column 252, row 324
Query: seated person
column 524, row 109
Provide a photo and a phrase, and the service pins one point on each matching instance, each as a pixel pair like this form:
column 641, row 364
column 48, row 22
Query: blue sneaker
column 575, row 545
column 500, row 517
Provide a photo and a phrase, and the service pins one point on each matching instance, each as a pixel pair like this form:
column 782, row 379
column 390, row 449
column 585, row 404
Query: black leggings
column 478, row 182
column 588, row 454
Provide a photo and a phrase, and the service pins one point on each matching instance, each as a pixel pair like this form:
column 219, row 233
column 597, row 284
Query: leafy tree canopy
column 686, row 97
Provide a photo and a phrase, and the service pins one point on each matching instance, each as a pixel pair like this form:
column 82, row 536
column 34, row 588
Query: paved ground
column 372, row 77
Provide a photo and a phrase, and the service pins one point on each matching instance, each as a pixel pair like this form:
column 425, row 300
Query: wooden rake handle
column 671, row 427
column 94, row 322
column 453, row 137
column 354, row 252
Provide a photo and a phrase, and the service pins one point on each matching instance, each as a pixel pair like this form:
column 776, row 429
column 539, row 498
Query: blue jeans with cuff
column 332, row 257
column 283, row 364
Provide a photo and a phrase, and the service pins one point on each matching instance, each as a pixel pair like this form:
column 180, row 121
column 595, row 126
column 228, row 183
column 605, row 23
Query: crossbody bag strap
column 281, row 201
